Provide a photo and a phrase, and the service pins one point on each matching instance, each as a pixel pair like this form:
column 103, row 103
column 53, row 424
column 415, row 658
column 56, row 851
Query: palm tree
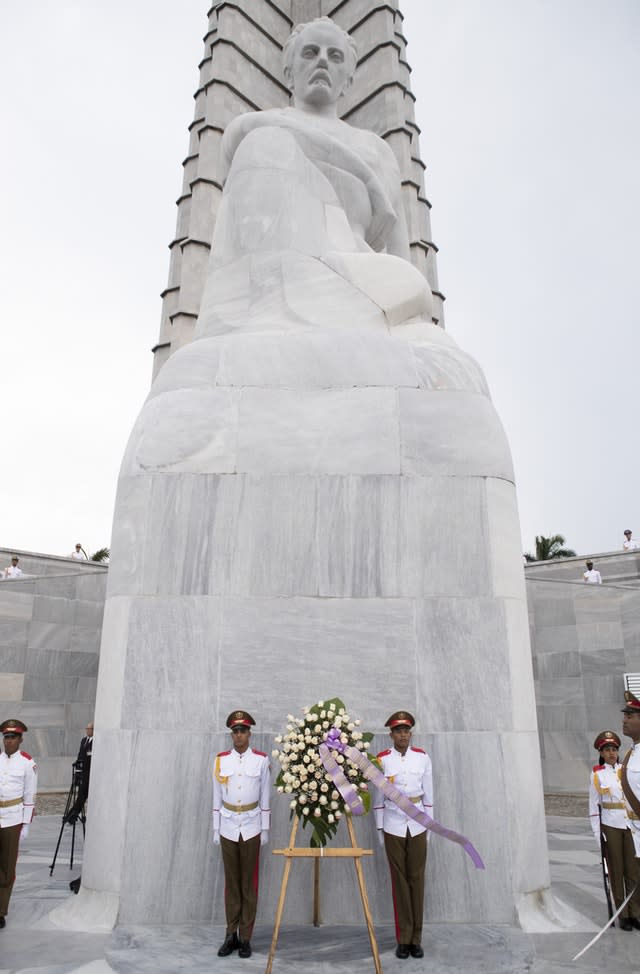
column 102, row 554
column 549, row 548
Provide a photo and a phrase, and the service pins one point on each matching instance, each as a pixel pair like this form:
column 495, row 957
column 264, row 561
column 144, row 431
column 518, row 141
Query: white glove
column 264, row 836
column 24, row 832
column 381, row 837
column 216, row 838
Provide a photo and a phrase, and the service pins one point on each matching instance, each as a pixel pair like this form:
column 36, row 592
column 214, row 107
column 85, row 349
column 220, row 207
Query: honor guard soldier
column 18, row 780
column 609, row 822
column 630, row 770
column 405, row 841
column 241, row 816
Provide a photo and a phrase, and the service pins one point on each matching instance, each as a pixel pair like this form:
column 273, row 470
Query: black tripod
column 73, row 811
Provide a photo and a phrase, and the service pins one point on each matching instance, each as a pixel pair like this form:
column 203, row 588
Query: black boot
column 402, row 951
column 230, row 944
column 245, row 949
column 416, row 950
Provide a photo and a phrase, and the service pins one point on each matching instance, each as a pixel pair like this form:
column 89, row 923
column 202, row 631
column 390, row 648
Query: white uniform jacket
column 633, row 777
column 605, row 791
column 410, row 773
column 18, row 780
column 239, row 782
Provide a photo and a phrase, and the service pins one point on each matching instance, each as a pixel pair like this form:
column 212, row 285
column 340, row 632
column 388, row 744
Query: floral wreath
column 315, row 799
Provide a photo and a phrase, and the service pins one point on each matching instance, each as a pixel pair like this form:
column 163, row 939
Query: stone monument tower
column 316, row 499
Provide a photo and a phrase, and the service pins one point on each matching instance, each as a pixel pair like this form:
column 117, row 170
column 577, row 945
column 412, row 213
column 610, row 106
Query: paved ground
column 30, row 944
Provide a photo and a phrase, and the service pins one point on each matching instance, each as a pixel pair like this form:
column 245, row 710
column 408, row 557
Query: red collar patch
column 383, row 754
column 419, row 750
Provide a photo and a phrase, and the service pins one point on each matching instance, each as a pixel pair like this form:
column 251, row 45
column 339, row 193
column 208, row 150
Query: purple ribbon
column 350, row 793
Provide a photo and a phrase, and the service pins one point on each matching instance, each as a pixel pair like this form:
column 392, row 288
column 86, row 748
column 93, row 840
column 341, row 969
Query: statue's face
column 322, row 67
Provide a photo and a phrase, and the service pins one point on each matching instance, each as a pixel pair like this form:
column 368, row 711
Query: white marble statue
column 301, row 179
column 317, row 497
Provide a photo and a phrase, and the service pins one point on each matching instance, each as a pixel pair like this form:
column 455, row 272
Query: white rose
column 324, row 786
column 317, row 729
column 351, row 726
column 337, row 722
column 320, row 703
column 344, row 739
column 279, row 739
column 332, row 707
column 334, row 805
column 304, row 786
column 288, row 789
column 366, row 745
column 293, row 803
column 340, row 758
column 323, row 799
column 338, row 814
column 300, row 722
column 330, row 819
column 305, row 811
column 325, row 724
column 357, row 723
column 359, row 745
column 323, row 714
column 317, row 813
column 341, row 711
column 306, row 758
column 290, row 726
column 275, row 754
column 314, row 740
column 280, row 789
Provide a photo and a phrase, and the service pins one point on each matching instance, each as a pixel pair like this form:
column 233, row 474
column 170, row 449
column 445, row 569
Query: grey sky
column 528, row 110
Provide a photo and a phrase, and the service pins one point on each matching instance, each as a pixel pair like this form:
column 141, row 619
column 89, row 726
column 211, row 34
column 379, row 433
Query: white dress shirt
column 410, row 773
column 240, row 780
column 18, row 779
column 605, row 790
column 633, row 777
column 631, row 545
column 593, row 577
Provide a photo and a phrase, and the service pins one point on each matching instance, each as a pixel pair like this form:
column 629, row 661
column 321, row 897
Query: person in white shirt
column 79, row 553
column 241, row 819
column 608, row 817
column 18, row 782
column 404, row 840
column 592, row 576
column 630, row 770
column 13, row 570
column 629, row 543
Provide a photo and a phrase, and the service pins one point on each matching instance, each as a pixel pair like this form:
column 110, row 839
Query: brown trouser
column 241, row 861
column 624, row 869
column 407, row 857
column 9, row 842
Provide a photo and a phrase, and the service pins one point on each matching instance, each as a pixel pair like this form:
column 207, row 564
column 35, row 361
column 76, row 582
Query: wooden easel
column 350, row 852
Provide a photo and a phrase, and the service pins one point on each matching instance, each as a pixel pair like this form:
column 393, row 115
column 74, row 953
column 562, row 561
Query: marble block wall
column 584, row 639
column 49, row 644
column 285, row 530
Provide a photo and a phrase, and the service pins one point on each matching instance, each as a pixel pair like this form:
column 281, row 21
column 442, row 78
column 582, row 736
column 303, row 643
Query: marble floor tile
column 30, row 944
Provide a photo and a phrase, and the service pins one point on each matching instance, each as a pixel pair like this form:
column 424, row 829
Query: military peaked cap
column 13, row 726
column 401, row 718
column 240, row 717
column 633, row 704
column 604, row 738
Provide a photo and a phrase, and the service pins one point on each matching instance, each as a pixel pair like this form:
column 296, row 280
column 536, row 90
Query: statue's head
column 319, row 62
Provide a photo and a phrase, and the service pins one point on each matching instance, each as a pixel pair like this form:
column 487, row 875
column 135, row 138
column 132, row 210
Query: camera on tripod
column 78, row 772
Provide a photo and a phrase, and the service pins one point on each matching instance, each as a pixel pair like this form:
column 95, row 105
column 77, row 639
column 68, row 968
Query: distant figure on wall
column 611, row 828
column 629, row 543
column 592, row 576
column 79, row 554
column 13, row 570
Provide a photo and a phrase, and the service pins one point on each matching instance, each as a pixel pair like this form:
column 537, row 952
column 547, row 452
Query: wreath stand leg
column 365, row 899
column 353, row 852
